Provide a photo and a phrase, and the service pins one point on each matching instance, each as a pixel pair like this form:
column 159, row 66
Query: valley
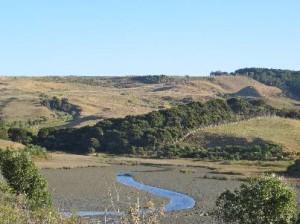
column 194, row 135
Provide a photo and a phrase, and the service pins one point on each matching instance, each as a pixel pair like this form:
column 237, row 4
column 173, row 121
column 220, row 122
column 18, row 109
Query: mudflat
column 96, row 189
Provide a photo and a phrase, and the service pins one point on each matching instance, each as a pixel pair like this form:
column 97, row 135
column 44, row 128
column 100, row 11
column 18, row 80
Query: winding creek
column 177, row 201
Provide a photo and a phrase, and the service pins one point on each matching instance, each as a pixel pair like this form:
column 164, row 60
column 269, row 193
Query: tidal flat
column 96, row 189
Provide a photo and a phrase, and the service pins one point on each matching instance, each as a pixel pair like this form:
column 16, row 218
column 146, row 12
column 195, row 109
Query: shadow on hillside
column 79, row 120
column 209, row 140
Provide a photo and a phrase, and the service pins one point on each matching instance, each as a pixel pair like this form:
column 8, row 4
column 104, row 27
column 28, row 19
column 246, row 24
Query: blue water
column 177, row 201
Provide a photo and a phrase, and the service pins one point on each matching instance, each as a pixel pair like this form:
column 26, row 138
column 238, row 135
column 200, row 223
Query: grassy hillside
column 283, row 131
column 10, row 144
column 159, row 133
column 287, row 80
column 117, row 97
column 274, row 96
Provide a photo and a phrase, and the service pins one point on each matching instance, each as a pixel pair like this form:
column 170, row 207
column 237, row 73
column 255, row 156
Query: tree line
column 155, row 133
column 287, row 80
column 63, row 105
column 149, row 134
column 264, row 151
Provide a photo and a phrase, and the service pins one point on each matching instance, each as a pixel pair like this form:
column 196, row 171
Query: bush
column 262, row 200
column 36, row 151
column 63, row 105
column 3, row 133
column 14, row 209
column 265, row 151
column 23, row 177
column 20, row 135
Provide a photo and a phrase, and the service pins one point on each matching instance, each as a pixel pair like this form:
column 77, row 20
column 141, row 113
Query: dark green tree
column 264, row 200
column 23, row 177
column 20, row 135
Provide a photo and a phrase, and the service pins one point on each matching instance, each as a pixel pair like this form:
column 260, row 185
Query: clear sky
column 118, row 37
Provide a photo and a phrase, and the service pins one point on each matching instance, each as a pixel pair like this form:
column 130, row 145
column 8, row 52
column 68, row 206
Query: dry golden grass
column 235, row 83
column 278, row 130
column 11, row 145
column 245, row 168
column 272, row 95
column 20, row 101
column 20, row 98
column 24, row 109
column 68, row 161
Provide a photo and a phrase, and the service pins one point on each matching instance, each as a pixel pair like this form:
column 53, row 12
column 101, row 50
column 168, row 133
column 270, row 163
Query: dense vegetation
column 24, row 196
column 152, row 79
column 29, row 124
column 294, row 169
column 260, row 201
column 154, row 133
column 23, row 177
column 264, row 151
column 20, row 135
column 287, row 80
column 63, row 104
column 157, row 133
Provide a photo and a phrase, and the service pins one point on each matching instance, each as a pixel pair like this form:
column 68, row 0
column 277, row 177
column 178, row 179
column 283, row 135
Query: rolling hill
column 4, row 144
column 102, row 97
column 282, row 131
column 123, row 110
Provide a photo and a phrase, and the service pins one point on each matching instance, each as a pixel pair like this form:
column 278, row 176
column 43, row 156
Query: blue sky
column 122, row 37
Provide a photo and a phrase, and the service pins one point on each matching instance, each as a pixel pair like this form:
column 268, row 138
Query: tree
column 20, row 135
column 264, row 200
column 294, row 169
column 23, row 177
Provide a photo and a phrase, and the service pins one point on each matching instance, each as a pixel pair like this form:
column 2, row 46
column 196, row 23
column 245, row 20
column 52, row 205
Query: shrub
column 23, row 177
column 20, row 135
column 36, row 151
column 63, row 105
column 262, row 200
column 265, row 151
column 3, row 133
column 136, row 216
column 14, row 209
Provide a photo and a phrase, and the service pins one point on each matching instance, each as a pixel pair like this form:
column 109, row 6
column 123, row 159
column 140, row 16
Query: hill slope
column 278, row 130
column 102, row 97
column 9, row 144
column 248, row 91
column 158, row 133
column 287, row 80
